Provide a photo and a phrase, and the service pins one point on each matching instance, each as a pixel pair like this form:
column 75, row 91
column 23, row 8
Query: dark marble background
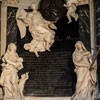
column 11, row 25
column 52, row 10
column 97, row 9
column 84, row 25
column 50, row 74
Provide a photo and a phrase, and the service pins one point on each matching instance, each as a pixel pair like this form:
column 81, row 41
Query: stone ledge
column 47, row 98
column 44, row 98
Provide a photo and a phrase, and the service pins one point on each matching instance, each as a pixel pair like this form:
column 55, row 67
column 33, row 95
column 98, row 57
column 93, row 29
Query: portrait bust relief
column 52, row 10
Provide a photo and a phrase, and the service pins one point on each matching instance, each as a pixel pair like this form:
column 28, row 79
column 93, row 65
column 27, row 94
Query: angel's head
column 12, row 47
column 33, row 6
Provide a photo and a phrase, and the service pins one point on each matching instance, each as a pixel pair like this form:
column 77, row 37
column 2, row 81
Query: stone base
column 47, row 98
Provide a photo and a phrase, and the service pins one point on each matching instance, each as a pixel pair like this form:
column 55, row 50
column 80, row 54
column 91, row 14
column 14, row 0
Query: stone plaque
column 52, row 73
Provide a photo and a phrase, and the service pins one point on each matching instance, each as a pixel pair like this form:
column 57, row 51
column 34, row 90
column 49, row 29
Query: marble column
column 3, row 28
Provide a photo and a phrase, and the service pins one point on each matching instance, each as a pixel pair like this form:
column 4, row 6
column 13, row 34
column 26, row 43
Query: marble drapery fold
column 40, row 29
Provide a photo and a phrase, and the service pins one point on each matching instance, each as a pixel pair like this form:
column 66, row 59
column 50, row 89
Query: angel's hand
column 20, row 59
column 27, row 75
column 65, row 5
column 52, row 26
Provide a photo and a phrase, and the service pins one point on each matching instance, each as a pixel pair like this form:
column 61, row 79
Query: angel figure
column 71, row 6
column 12, row 63
column 40, row 29
column 85, row 70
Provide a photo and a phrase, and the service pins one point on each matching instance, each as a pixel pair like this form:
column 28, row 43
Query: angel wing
column 20, row 16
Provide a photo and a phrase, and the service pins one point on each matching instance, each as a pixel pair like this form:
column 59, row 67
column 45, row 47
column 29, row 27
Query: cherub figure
column 71, row 6
column 40, row 29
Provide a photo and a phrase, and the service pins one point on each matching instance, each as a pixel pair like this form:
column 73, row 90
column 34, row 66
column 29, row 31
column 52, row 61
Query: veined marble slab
column 47, row 98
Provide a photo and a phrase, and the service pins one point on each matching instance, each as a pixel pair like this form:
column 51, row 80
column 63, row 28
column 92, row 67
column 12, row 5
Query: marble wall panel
column 97, row 6
column 84, row 25
column 11, row 25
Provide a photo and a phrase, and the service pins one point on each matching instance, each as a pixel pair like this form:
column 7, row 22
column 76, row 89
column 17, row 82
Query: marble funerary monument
column 44, row 52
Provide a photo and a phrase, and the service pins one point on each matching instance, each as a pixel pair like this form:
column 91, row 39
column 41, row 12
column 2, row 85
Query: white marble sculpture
column 12, row 85
column 71, row 6
column 21, row 83
column 40, row 29
column 85, row 70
